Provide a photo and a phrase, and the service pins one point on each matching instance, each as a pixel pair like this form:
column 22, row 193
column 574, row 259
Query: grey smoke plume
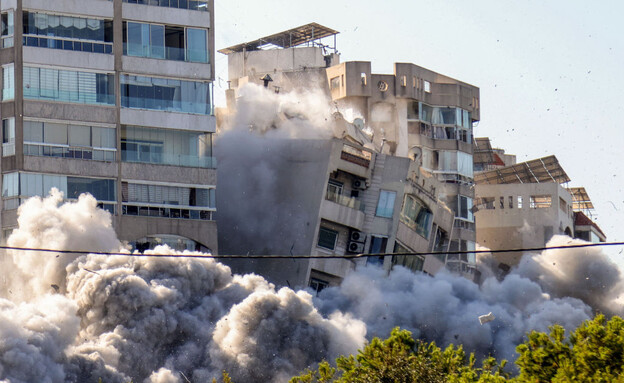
column 252, row 149
column 157, row 319
column 149, row 319
column 66, row 318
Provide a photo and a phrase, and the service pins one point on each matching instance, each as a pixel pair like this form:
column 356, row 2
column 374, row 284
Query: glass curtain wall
column 69, row 141
column 69, row 86
column 165, row 42
column 165, row 94
column 68, row 32
column 166, row 147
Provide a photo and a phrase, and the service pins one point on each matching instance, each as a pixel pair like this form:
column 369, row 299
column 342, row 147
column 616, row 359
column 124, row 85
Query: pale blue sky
column 550, row 72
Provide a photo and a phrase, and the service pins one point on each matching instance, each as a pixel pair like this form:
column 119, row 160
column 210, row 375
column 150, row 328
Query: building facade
column 113, row 98
column 405, row 188
column 523, row 205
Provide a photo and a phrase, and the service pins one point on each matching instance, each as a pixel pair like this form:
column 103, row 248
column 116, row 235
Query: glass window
column 165, row 94
column 67, row 32
column 464, row 208
column 196, row 45
column 8, row 82
column 385, row 205
column 69, row 86
column 412, row 261
column 7, row 29
column 166, row 147
column 327, row 238
column 416, row 215
column 334, row 190
column 157, row 41
column 163, row 195
column 10, row 185
column 8, row 137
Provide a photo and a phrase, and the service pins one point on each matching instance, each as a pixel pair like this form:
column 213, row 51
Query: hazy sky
column 550, row 72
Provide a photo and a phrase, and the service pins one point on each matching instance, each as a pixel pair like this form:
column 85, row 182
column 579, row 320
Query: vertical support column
column 118, row 52
column 19, row 86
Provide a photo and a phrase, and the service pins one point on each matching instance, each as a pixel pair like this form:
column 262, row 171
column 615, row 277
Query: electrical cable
column 328, row 256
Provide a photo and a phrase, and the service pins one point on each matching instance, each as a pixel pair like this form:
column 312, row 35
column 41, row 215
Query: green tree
column 593, row 353
column 400, row 359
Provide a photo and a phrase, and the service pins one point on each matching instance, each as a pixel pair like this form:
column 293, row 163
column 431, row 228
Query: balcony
column 349, row 202
column 343, row 210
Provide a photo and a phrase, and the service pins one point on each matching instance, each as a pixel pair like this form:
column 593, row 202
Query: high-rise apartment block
column 113, row 98
column 406, row 188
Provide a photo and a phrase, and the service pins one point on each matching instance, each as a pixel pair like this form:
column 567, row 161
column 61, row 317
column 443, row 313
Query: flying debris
column 483, row 319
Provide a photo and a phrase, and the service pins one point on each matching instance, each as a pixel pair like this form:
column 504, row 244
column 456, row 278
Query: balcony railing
column 340, row 199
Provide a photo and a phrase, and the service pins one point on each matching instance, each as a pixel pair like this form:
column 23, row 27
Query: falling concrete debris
column 483, row 319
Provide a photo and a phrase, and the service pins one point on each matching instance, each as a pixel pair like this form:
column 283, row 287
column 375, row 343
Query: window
column 166, row 147
column 427, row 86
column 502, row 202
column 8, row 82
column 195, row 5
column 68, row 32
column 511, row 200
column 8, row 137
column 540, row 202
column 168, row 201
column 455, row 162
column 165, row 42
column 69, row 86
column 25, row 185
column 412, row 261
column 166, row 94
column 377, row 246
column 334, row 190
column 334, row 83
column 416, row 215
column 318, row 285
column 519, row 202
column 196, row 45
column 464, row 208
column 7, row 28
column 69, row 141
column 327, row 238
column 385, row 205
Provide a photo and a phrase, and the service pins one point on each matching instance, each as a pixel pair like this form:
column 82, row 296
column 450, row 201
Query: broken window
column 416, row 215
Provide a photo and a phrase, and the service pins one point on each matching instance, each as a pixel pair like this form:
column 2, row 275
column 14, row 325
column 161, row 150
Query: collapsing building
column 522, row 205
column 394, row 177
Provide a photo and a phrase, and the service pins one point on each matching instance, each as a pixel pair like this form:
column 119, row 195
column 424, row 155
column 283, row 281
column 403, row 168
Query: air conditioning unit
column 357, row 236
column 359, row 184
column 355, row 247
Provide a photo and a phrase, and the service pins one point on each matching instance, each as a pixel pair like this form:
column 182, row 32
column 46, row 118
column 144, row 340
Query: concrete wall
column 131, row 228
column 526, row 227
column 172, row 120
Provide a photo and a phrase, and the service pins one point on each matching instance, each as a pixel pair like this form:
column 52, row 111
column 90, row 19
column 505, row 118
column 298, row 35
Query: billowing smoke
column 164, row 318
column 150, row 319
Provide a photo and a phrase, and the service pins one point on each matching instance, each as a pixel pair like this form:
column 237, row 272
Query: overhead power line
column 328, row 256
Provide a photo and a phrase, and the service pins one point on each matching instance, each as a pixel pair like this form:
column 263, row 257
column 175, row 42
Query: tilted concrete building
column 407, row 190
column 522, row 205
column 113, row 98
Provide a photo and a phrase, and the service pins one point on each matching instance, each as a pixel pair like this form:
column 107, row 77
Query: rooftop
column 545, row 169
column 306, row 34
